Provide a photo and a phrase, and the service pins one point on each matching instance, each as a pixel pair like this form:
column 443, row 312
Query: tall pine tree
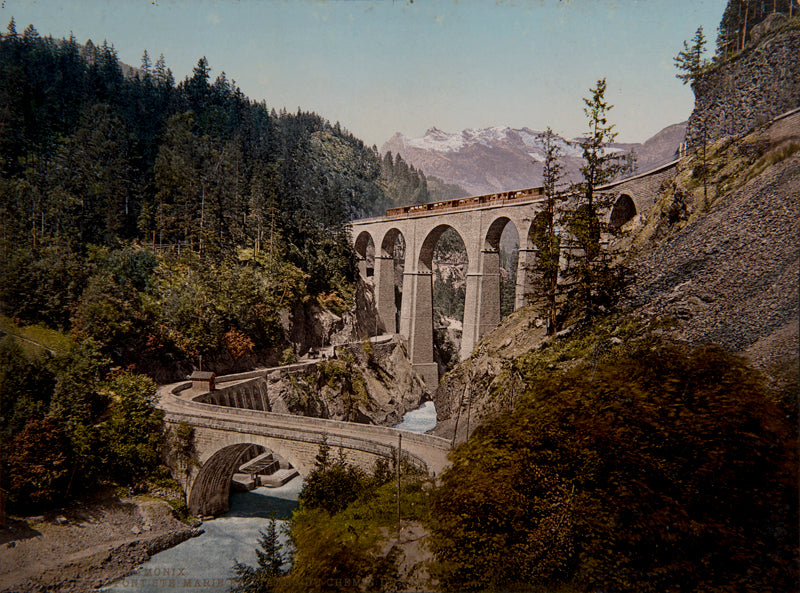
column 589, row 271
column 545, row 233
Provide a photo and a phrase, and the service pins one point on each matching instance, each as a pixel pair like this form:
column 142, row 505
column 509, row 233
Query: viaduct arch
column 480, row 222
column 480, row 230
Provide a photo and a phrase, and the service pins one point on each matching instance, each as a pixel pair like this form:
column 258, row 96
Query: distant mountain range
column 502, row 158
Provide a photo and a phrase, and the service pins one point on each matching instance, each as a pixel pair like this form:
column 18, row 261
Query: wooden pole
column 469, row 408
column 744, row 29
column 399, row 456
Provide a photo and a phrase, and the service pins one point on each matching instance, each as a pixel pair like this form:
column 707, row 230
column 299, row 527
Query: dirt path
column 86, row 546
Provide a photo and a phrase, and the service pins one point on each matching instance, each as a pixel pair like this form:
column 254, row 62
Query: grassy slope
column 35, row 339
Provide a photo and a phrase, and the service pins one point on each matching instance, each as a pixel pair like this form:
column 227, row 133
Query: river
column 205, row 563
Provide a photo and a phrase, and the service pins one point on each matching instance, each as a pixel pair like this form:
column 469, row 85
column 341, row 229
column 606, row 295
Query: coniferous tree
column 261, row 579
column 545, row 233
column 739, row 18
column 690, row 60
column 589, row 270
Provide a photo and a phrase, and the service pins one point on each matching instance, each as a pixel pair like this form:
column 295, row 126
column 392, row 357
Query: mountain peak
column 502, row 158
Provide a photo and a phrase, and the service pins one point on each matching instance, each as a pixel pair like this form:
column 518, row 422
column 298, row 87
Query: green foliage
column 545, row 234
column 333, row 486
column 25, row 386
column 330, row 550
column 180, row 509
column 67, row 428
column 346, row 545
column 40, row 339
column 76, row 399
column 181, row 451
column 344, row 376
column 661, row 468
column 690, row 60
column 92, row 158
column 508, row 281
column 445, row 351
column 133, row 432
column 262, row 578
column 42, row 284
column 591, row 277
column 199, row 303
column 403, row 184
column 288, row 356
column 448, row 299
column 37, row 468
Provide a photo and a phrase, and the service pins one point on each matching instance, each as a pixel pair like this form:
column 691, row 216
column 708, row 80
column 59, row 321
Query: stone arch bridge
column 227, row 436
column 480, row 222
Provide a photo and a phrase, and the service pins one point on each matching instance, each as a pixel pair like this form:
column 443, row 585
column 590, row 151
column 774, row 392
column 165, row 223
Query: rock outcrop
column 310, row 326
column 365, row 382
column 747, row 90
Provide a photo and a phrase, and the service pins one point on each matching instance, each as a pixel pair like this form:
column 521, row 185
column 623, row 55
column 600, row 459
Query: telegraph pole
column 399, row 455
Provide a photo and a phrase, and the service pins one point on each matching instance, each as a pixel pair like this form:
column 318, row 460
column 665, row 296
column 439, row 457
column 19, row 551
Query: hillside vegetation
column 150, row 227
column 172, row 221
column 629, row 452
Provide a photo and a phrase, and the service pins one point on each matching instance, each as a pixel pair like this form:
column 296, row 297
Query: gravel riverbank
column 86, row 546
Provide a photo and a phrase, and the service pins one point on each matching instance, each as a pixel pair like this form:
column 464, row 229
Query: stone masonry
column 748, row 90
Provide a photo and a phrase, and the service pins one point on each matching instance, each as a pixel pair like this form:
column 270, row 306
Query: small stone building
column 202, row 381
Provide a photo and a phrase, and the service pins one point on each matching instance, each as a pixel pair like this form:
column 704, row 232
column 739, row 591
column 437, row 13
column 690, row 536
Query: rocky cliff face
column 364, row 382
column 750, row 89
column 310, row 326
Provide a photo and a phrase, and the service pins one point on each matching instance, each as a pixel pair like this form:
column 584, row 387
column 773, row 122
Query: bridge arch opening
column 211, row 488
column 623, row 211
column 502, row 244
column 365, row 253
column 444, row 255
column 389, row 266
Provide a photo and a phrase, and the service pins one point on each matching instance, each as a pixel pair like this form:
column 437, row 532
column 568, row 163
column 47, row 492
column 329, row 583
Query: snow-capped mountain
column 503, row 158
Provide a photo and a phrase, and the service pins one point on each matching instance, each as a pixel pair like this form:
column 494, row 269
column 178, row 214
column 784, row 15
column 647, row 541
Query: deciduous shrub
column 665, row 469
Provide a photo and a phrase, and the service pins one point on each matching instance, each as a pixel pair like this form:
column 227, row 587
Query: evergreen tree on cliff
column 590, row 275
column 690, row 60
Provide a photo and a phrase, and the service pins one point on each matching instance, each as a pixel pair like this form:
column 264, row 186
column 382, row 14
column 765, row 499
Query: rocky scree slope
column 730, row 276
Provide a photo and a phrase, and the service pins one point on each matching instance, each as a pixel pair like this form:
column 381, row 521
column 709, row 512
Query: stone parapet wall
column 748, row 90
column 249, row 393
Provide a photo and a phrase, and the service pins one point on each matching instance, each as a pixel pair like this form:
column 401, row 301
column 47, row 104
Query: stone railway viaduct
column 480, row 222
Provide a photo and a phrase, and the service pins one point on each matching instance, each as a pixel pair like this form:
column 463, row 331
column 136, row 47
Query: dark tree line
column 95, row 164
column 88, row 155
column 741, row 16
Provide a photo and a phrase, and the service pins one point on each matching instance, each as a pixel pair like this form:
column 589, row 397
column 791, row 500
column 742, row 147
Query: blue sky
column 380, row 67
